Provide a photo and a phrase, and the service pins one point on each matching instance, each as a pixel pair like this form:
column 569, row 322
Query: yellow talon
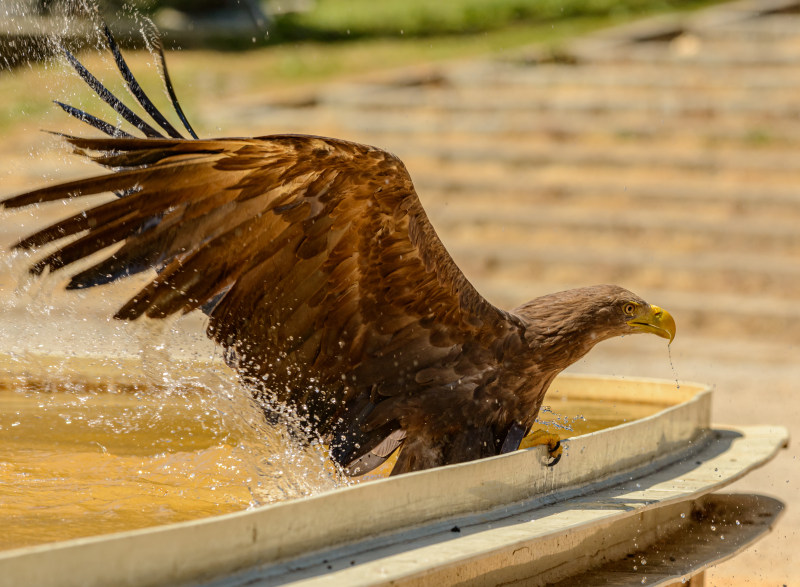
column 549, row 439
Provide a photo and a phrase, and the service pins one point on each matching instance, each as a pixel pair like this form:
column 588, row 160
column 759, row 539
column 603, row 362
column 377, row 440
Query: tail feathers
column 377, row 455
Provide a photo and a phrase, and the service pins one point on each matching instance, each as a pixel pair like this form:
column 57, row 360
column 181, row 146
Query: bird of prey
column 324, row 282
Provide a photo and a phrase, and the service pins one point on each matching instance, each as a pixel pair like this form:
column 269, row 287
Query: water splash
column 97, row 443
column 147, row 413
column 112, row 425
column 555, row 420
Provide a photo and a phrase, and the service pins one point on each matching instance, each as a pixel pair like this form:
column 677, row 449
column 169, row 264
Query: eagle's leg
column 549, row 439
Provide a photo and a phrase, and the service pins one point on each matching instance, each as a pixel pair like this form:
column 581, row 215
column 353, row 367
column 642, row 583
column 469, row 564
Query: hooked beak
column 656, row 321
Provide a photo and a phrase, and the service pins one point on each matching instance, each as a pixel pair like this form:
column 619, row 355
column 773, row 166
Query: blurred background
column 555, row 144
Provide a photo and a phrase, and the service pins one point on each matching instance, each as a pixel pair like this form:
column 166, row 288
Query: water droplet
column 672, row 366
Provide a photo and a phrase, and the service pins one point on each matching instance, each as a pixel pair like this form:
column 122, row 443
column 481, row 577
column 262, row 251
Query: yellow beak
column 656, row 321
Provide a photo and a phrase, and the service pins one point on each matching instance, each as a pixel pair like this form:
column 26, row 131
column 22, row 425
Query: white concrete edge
column 552, row 536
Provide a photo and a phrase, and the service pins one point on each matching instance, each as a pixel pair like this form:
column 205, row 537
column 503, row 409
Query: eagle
column 323, row 281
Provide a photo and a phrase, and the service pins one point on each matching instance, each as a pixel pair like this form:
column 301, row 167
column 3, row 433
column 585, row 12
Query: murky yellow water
column 88, row 455
column 87, row 458
column 573, row 417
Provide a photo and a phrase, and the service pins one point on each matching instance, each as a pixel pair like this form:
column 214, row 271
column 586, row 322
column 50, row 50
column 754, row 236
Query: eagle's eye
column 629, row 308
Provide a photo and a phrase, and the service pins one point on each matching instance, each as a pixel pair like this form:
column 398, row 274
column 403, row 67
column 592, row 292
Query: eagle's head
column 571, row 322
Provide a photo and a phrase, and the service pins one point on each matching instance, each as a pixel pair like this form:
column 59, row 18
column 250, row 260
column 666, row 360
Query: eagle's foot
column 548, row 439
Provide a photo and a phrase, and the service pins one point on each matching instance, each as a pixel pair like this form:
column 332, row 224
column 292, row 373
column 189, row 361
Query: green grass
column 353, row 19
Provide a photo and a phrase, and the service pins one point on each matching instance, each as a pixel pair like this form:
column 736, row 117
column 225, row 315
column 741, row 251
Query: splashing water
column 97, row 445
column 108, row 426
column 556, row 421
column 105, row 425
column 578, row 416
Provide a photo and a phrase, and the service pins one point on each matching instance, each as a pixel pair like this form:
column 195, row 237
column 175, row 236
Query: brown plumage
column 328, row 287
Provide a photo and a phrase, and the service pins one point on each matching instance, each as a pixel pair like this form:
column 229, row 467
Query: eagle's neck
column 558, row 332
column 539, row 365
column 559, row 336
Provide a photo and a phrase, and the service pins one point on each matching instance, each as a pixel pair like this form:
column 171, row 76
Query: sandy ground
column 669, row 166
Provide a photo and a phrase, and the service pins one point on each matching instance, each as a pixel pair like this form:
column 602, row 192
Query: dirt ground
column 663, row 157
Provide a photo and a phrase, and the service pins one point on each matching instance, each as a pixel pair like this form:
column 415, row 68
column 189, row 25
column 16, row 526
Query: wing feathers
column 116, row 182
column 100, row 125
column 321, row 272
column 378, row 455
column 109, row 98
column 135, row 88
column 100, row 238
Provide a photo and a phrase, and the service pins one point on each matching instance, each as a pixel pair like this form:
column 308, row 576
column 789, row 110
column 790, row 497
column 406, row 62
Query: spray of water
column 98, row 403
column 557, row 420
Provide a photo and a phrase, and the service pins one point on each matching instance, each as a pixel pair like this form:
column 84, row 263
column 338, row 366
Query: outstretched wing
column 319, row 269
